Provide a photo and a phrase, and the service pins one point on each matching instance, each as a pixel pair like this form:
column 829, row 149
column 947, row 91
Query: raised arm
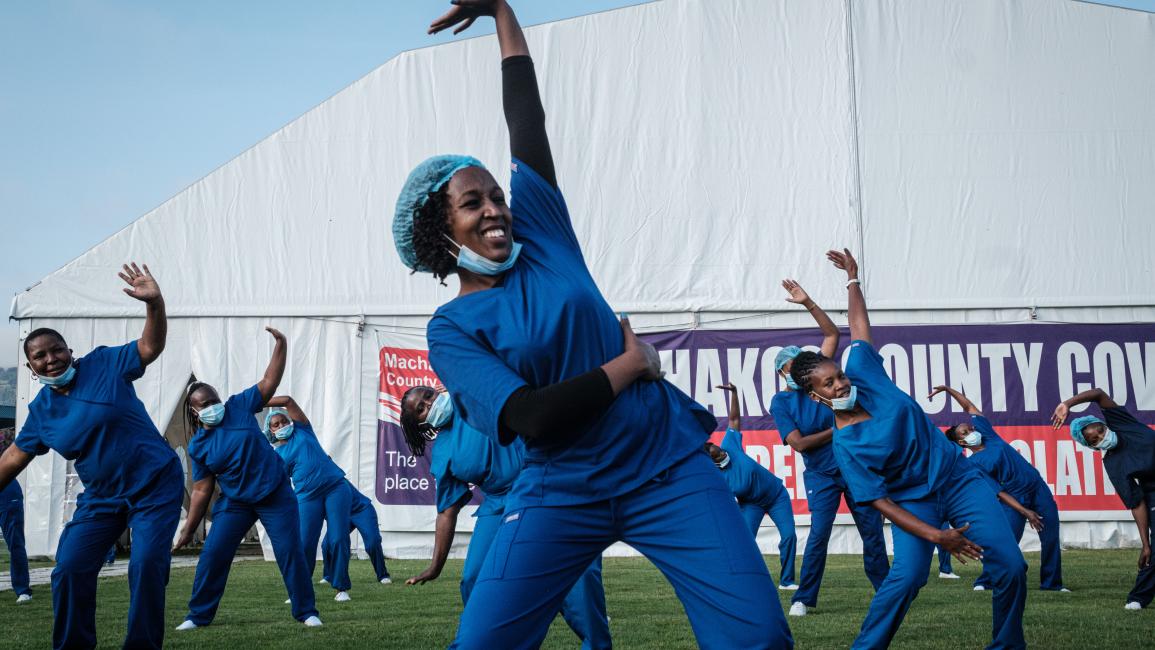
column 1097, row 395
column 859, row 317
column 276, row 369
column 830, row 334
column 143, row 287
column 290, row 405
column 962, row 400
column 202, row 493
column 733, row 409
column 442, row 542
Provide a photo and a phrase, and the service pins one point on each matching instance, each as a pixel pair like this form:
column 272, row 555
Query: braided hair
column 413, row 429
column 430, row 233
column 191, row 418
column 804, row 365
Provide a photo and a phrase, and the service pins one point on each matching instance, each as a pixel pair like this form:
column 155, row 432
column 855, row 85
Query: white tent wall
column 707, row 149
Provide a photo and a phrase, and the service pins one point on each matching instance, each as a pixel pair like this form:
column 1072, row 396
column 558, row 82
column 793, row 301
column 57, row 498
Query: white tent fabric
column 707, row 149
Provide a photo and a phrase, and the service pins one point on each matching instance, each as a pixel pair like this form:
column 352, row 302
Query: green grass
column 642, row 606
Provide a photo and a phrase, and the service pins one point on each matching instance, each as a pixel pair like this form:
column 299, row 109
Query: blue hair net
column 276, row 410
column 425, row 178
column 1077, row 426
column 785, row 355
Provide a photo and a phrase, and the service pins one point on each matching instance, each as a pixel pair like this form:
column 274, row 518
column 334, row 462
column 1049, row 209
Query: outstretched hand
column 728, row 387
column 1060, row 415
column 937, row 390
column 465, row 12
column 845, row 261
column 141, row 284
column 797, row 295
column 1035, row 520
column 428, row 575
column 953, row 540
column 275, row 333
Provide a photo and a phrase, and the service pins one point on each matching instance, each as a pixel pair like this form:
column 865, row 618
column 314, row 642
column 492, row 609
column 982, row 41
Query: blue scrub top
column 101, row 425
column 462, row 455
column 1001, row 462
column 749, row 481
column 544, row 323
column 898, row 452
column 1131, row 464
column 237, row 453
column 311, row 469
column 794, row 410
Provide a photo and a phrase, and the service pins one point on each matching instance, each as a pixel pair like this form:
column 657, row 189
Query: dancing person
column 808, row 428
column 89, row 413
column 462, row 456
column 322, row 495
column 229, row 450
column 895, row 459
column 1128, row 448
column 363, row 519
column 12, row 527
column 1019, row 479
column 623, row 461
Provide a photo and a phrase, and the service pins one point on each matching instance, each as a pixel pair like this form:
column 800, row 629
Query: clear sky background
column 111, row 107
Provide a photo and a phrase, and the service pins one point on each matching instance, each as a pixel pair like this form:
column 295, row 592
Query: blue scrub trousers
column 153, row 516
column 824, row 493
column 332, row 509
column 12, row 527
column 782, row 514
column 1050, row 562
column 584, row 607
column 682, row 520
column 231, row 520
column 967, row 498
column 1144, row 590
column 363, row 520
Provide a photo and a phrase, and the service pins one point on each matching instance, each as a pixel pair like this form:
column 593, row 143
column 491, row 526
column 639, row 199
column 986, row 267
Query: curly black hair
column 414, row 431
column 804, row 365
column 430, row 233
column 951, row 433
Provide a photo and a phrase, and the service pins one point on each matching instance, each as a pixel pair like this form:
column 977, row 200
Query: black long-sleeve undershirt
column 525, row 116
column 556, row 414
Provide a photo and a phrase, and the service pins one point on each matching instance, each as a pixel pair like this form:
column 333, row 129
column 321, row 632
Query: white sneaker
column 23, row 598
column 798, row 609
column 980, row 588
column 322, row 581
column 288, row 601
column 788, row 587
column 313, row 621
column 342, row 597
column 1064, row 590
column 949, row 576
column 187, row 625
column 1133, row 606
column 386, row 580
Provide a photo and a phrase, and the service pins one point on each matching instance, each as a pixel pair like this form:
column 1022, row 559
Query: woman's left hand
column 845, row 261
column 1034, row 520
column 141, row 284
column 464, row 12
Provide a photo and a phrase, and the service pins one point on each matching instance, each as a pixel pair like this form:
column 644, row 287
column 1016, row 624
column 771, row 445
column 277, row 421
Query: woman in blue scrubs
column 89, row 413
column 1019, row 479
column 363, row 519
column 808, row 428
column 894, row 459
column 322, row 495
column 1128, row 448
column 623, row 462
column 461, row 456
column 758, row 491
column 12, row 527
column 229, row 450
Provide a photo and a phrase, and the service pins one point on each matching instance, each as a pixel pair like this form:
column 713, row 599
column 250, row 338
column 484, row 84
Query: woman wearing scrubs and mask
column 623, row 462
column 461, row 456
column 894, row 459
column 808, row 428
column 1032, row 501
column 89, row 413
column 229, row 450
column 1128, row 448
column 322, row 495
column 758, row 491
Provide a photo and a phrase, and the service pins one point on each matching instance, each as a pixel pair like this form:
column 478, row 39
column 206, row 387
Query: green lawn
column 644, row 612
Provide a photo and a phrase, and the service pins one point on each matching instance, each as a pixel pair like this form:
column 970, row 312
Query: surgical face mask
column 212, row 414
column 440, row 412
column 1109, row 441
column 63, row 379
column 789, row 380
column 284, row 433
column 842, row 403
column 972, row 439
column 724, row 463
column 471, row 261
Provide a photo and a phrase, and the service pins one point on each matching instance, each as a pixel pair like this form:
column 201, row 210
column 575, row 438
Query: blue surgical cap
column 1077, row 426
column 276, row 410
column 425, row 178
column 785, row 355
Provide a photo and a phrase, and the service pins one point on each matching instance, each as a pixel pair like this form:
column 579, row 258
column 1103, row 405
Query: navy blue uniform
column 1131, row 468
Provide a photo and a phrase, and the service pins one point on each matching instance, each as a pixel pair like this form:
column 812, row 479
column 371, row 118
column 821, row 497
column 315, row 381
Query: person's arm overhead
column 276, row 368
column 830, row 334
column 859, row 316
column 1097, row 395
column 962, row 399
column 143, row 287
column 290, row 405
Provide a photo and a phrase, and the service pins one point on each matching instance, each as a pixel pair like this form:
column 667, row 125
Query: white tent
column 707, row 149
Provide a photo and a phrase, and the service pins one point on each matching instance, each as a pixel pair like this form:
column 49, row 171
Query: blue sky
column 110, row 108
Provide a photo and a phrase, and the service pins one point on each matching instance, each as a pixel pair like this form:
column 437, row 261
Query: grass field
column 642, row 606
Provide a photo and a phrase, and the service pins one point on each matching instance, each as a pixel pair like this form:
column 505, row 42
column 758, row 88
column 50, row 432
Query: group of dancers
column 559, row 414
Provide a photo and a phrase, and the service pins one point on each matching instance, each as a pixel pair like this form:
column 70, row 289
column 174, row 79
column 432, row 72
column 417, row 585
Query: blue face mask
column 212, row 415
column 1109, row 441
column 724, row 463
column 972, row 439
column 63, row 379
column 284, row 433
column 790, row 381
column 471, row 261
column 841, row 403
column 441, row 412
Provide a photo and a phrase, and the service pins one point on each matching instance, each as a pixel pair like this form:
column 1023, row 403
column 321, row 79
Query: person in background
column 363, row 519
column 12, row 527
